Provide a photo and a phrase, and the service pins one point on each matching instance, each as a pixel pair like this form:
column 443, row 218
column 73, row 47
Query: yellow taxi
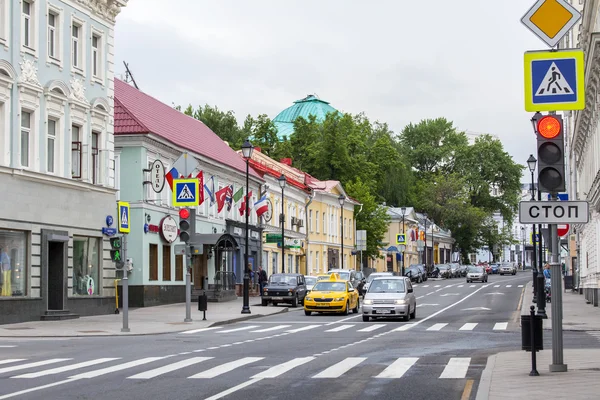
column 326, row 277
column 332, row 295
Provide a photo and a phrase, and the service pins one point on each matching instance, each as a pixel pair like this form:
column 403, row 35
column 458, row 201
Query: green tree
column 262, row 132
column 224, row 124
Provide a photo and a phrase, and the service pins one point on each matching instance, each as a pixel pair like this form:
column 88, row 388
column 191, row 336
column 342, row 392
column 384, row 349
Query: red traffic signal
column 549, row 127
column 551, row 154
column 184, row 213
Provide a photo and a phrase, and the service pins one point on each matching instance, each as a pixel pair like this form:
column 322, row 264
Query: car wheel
column 355, row 310
column 347, row 310
column 366, row 318
column 407, row 316
column 295, row 301
column 413, row 315
column 307, row 313
column 264, row 303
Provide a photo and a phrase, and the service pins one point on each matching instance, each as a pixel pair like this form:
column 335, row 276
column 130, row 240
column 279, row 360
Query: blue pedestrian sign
column 400, row 238
column 185, row 192
column 123, row 217
column 561, row 196
column 554, row 80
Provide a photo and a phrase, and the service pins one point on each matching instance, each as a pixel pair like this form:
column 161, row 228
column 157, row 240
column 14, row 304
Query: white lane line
column 339, row 321
column 456, row 368
column 425, row 285
column 496, row 285
column 274, row 328
column 508, row 285
column 339, row 369
column 243, row 328
column 404, row 327
column 11, row 360
column 200, row 330
column 33, row 364
column 420, row 297
column 436, row 327
column 437, row 285
column 472, row 286
column 224, row 368
column 280, row 369
column 371, row 328
column 520, row 286
column 34, row 389
column 153, row 373
column 65, row 368
column 120, row 367
column 304, row 328
column 339, row 328
column 461, row 285
column 398, row 368
column 469, row 326
column 7, row 346
column 501, row 326
column 231, row 390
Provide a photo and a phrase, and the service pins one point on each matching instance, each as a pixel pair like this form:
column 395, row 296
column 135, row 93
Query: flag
column 211, row 190
column 200, row 177
column 184, row 163
column 261, row 206
column 238, row 195
column 221, row 196
column 229, row 198
column 243, row 205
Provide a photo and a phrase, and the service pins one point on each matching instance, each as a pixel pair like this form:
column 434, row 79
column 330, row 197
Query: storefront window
column 86, row 266
column 13, row 273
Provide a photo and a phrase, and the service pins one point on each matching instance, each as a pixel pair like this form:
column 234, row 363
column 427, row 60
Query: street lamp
column 282, row 181
column 531, row 161
column 341, row 199
column 425, row 253
column 404, row 233
column 247, row 149
column 534, row 121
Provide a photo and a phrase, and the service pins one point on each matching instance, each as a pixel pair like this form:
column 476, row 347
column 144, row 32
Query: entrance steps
column 58, row 315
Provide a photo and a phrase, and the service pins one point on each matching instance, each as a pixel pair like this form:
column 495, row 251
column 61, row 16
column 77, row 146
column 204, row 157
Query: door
column 200, row 270
column 56, row 275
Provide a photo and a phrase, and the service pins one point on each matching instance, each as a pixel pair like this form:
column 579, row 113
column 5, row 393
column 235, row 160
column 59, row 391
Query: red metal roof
column 138, row 113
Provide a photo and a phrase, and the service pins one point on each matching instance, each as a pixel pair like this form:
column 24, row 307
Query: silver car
column 391, row 297
column 476, row 274
column 507, row 268
column 373, row 276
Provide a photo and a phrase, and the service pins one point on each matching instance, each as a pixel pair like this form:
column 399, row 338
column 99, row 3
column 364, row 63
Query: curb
column 123, row 334
column 485, row 383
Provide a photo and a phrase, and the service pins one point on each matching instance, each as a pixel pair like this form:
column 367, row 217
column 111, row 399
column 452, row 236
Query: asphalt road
column 439, row 355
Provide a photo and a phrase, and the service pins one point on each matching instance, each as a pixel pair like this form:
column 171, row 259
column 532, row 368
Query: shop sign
column 169, row 229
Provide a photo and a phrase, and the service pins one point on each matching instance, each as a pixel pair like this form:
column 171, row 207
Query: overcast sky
column 398, row 61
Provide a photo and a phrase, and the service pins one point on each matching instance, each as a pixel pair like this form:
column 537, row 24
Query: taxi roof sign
column 550, row 20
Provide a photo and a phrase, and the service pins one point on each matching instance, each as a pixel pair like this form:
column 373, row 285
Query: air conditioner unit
column 294, row 221
column 300, row 222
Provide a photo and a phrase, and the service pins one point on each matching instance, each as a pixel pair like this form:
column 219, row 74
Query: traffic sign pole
column 125, row 281
column 557, row 334
column 188, row 258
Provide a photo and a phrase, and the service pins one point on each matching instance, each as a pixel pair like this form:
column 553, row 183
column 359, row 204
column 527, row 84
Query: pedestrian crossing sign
column 554, row 80
column 185, row 192
column 123, row 216
column 400, row 238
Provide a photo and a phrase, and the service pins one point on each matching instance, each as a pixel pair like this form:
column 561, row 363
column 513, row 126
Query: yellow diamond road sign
column 550, row 20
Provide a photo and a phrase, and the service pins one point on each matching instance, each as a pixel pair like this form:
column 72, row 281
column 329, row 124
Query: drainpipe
column 311, row 196
column 362, row 269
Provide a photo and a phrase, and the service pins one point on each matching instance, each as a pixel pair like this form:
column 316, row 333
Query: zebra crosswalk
column 211, row 367
column 463, row 285
column 595, row 334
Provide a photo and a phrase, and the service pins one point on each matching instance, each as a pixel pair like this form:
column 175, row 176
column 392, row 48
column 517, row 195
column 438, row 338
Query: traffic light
column 115, row 252
column 185, row 225
column 551, row 154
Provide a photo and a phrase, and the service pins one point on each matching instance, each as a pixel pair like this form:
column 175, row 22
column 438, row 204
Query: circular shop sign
column 269, row 213
column 157, row 176
column 168, row 229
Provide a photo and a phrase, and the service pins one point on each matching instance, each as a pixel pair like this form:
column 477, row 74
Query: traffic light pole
column 557, row 332
column 125, row 282
column 188, row 284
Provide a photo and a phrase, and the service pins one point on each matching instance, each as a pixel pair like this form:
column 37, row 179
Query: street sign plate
column 123, row 217
column 400, row 238
column 561, row 196
column 562, row 230
column 185, row 192
column 554, row 80
column 553, row 212
column 550, row 20
column 537, row 238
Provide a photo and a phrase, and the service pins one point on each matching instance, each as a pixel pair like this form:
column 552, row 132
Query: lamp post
column 341, row 200
column 425, row 251
column 247, row 149
column 282, row 181
column 531, row 162
column 404, row 233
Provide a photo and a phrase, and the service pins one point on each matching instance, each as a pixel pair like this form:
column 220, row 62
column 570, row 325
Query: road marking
column 337, row 370
column 277, row 370
column 227, row 367
column 120, row 367
column 425, row 285
column 508, row 285
column 472, row 286
column 7, row 346
column 371, row 328
column 271, row 329
column 34, row 389
column 420, row 297
column 496, row 285
column 339, row 321
column 11, row 360
column 520, row 286
column 469, row 326
column 304, row 328
column 466, row 395
column 33, row 364
column 405, row 327
column 231, row 390
column 426, row 304
column 456, row 368
column 461, row 285
column 437, row 327
column 199, row 330
column 449, row 294
column 487, row 294
column 437, row 285
column 398, row 368
column 66, row 368
column 476, row 309
column 243, row 328
column 501, row 326
column 153, row 373
column 339, row 328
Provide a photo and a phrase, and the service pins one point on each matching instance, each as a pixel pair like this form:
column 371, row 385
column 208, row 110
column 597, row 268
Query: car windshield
column 476, row 269
column 373, row 276
column 383, row 285
column 310, row 280
column 443, row 266
column 282, row 280
column 329, row 287
column 344, row 275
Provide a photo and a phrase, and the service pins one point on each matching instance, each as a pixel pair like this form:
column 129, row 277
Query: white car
column 390, row 297
column 310, row 282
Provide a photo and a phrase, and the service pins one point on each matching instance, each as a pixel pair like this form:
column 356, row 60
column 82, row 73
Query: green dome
column 310, row 105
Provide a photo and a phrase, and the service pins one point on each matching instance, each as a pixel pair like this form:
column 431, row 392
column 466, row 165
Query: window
column 25, row 135
column 310, row 221
column 76, row 45
column 86, row 266
column 13, row 250
column 3, row 20
column 178, row 267
column 52, row 33
column 153, row 264
column 317, row 262
column 166, row 263
column 26, row 14
column 317, row 221
column 324, row 224
column 95, row 158
column 75, row 152
column 51, row 144
column 96, row 42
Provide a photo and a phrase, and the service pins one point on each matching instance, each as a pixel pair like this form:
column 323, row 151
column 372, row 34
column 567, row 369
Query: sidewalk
column 142, row 321
column 506, row 375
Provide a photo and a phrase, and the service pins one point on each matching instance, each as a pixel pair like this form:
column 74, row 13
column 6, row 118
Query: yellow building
column 400, row 240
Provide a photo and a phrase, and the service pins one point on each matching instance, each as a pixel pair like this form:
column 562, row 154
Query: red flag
column 200, row 195
column 221, row 196
column 243, row 205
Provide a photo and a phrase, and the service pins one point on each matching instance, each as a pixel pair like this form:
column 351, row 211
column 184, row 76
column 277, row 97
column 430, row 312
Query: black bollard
column 534, row 371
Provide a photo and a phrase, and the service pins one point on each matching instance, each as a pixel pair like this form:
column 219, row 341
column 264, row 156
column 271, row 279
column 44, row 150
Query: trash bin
column 526, row 333
column 568, row 282
column 202, row 302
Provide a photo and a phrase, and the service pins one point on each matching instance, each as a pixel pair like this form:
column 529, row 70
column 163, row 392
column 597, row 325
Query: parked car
column 445, row 270
column 284, row 288
column 390, row 296
column 422, row 268
column 477, row 274
column 414, row 274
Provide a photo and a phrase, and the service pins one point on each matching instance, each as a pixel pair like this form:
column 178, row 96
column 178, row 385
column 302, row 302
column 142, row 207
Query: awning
column 392, row 249
column 221, row 241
